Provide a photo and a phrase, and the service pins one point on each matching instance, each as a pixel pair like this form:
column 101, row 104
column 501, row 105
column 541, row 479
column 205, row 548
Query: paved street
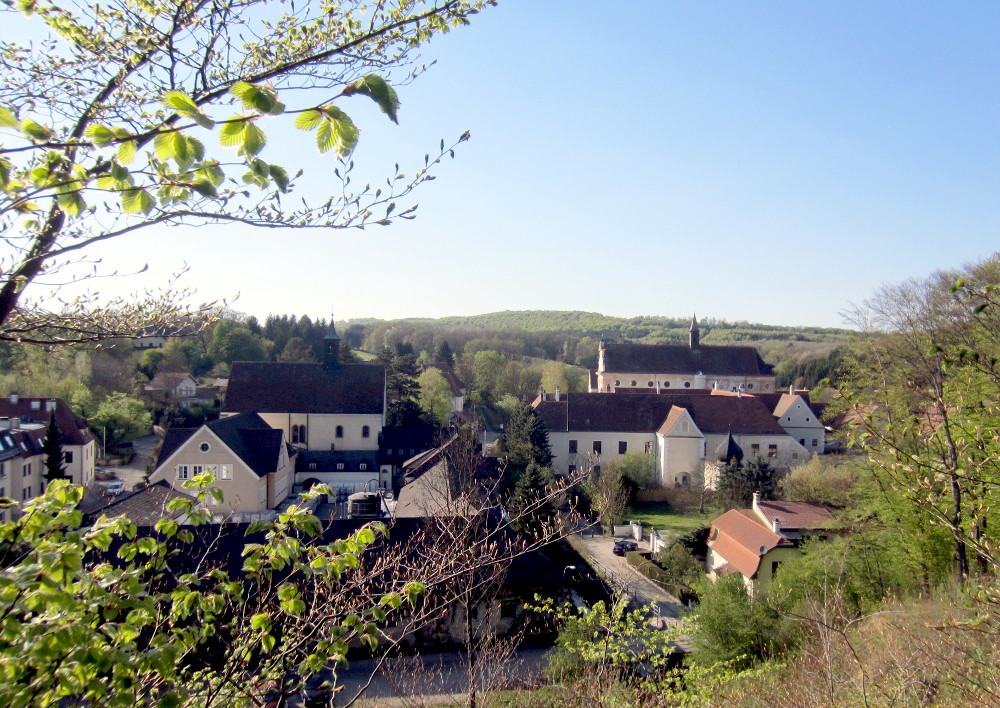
column 623, row 577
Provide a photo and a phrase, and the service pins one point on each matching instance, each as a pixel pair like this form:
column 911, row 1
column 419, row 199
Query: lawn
column 660, row 516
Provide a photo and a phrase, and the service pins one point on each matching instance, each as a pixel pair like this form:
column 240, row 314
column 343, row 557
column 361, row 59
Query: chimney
column 13, row 399
column 791, row 389
column 541, row 393
column 756, row 499
column 776, row 525
column 557, row 393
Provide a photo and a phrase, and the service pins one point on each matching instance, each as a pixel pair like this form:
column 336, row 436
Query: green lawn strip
column 659, row 516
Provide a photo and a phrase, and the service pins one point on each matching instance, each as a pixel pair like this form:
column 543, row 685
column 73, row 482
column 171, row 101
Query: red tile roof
column 794, row 516
column 741, row 539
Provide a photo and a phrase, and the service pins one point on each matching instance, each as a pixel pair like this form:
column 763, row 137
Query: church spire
column 331, row 344
column 693, row 333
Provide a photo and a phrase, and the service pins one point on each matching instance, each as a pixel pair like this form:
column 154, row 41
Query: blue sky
column 767, row 161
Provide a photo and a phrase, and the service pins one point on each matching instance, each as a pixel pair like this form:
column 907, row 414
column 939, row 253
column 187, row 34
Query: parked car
column 115, row 488
column 623, row 547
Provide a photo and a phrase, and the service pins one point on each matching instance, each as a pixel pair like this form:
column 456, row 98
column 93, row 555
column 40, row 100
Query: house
column 143, row 507
column 180, row 388
column 679, row 430
column 755, row 542
column 252, row 464
column 79, row 445
column 676, row 366
column 331, row 413
column 799, row 417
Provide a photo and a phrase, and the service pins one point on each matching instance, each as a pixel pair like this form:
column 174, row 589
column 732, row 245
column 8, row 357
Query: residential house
column 679, row 430
column 252, row 464
column 179, row 388
column 755, row 542
column 799, row 417
column 675, row 366
column 78, row 443
column 143, row 507
column 332, row 413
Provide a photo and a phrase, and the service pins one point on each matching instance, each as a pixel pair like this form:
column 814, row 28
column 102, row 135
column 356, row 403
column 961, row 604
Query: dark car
column 623, row 547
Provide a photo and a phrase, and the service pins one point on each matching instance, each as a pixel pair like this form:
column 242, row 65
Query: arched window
column 364, row 431
column 340, row 431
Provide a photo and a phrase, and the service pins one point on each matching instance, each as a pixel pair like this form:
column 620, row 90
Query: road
column 667, row 609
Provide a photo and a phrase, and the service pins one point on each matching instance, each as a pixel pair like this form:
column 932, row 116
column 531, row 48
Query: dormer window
column 363, row 466
column 340, row 465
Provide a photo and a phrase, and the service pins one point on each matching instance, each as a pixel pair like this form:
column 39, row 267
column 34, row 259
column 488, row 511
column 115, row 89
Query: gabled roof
column 168, row 380
column 146, row 506
column 73, row 430
column 681, row 359
column 608, row 412
column 247, row 435
column 742, row 540
column 796, row 516
column 279, row 387
column 327, row 460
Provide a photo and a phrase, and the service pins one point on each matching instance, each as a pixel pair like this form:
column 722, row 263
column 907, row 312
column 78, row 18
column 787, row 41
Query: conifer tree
column 54, row 468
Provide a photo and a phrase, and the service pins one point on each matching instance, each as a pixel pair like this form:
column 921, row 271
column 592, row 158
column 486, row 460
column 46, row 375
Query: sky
column 769, row 161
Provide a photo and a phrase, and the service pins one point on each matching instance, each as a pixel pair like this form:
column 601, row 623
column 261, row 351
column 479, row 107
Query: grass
column 662, row 517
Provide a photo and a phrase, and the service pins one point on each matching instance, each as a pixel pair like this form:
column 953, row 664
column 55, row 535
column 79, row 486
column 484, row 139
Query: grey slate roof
column 247, row 435
column 278, row 387
column 144, row 507
column 610, row 412
column 327, row 461
column 681, row 359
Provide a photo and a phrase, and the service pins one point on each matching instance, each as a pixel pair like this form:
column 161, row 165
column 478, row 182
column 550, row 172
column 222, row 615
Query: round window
column 666, row 384
column 204, row 447
column 650, row 384
column 617, row 382
column 687, row 384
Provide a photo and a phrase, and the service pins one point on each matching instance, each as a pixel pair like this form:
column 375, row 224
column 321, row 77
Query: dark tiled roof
column 681, row 359
column 247, row 435
column 146, row 506
column 72, row 429
column 327, row 461
column 609, row 412
column 277, row 387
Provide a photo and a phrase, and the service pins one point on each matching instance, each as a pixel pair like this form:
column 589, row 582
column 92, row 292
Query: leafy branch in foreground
column 108, row 125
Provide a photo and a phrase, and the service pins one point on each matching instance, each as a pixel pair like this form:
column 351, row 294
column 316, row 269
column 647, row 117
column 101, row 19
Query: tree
column 296, row 350
column 531, row 503
column 110, row 122
column 435, row 395
column 54, row 468
column 121, row 419
column 638, row 466
column 738, row 482
column 233, row 341
column 609, row 495
column 444, row 353
column 526, row 440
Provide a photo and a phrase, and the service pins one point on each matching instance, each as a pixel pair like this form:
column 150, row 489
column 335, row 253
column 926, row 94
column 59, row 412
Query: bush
column 678, row 565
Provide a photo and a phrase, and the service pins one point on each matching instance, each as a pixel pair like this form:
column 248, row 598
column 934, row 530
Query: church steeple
column 693, row 333
column 331, row 352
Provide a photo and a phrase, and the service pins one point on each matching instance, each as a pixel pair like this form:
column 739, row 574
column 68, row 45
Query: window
column 182, row 472
column 312, row 465
column 68, row 457
column 363, row 466
column 774, row 567
column 665, row 384
column 597, row 446
column 772, row 450
column 617, row 382
column 687, row 384
column 807, row 420
column 340, row 431
column 802, row 442
column 3, row 471
column 26, row 493
column 622, row 447
column 204, row 447
column 754, row 450
column 649, row 446
column 572, row 447
column 197, row 469
column 365, row 431
column 633, row 382
column 749, row 387
column 650, row 384
column 571, row 469
column 815, row 442
column 225, row 471
column 340, row 465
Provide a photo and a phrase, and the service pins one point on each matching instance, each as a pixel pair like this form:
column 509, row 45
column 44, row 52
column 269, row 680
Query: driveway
column 667, row 610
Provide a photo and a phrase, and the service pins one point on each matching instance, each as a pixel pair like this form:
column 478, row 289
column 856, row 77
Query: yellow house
column 755, row 542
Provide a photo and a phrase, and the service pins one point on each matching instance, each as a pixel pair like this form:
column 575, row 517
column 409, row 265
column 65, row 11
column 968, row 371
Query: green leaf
column 5, row 173
column 337, row 132
column 100, row 135
column 136, row 201
column 231, row 134
column 72, row 203
column 126, row 152
column 34, row 131
column 279, row 176
column 380, row 91
column 7, row 118
column 258, row 98
column 205, row 189
column 165, row 145
column 260, row 621
column 308, row 120
column 253, row 140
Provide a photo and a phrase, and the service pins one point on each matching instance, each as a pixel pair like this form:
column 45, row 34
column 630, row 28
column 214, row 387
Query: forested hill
column 651, row 329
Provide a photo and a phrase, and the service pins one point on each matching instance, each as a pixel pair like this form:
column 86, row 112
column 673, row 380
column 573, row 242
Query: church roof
column 279, row 387
column 682, row 359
